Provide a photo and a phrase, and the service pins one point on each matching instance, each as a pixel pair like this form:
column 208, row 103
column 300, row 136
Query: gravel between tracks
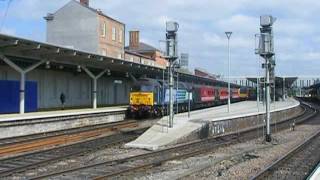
column 237, row 161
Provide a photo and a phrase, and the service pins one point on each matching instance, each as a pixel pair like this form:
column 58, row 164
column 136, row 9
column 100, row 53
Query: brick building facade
column 77, row 25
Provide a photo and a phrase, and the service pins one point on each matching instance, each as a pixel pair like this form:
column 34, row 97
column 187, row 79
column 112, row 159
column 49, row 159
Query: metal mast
column 171, row 56
column 266, row 50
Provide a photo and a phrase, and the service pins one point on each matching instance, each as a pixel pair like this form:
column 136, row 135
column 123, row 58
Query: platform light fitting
column 228, row 34
column 172, row 26
column 79, row 69
column 48, row 65
column 267, row 20
column 61, row 67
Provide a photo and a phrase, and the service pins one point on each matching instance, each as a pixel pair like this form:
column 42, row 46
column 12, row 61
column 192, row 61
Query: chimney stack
column 84, row 2
column 134, row 40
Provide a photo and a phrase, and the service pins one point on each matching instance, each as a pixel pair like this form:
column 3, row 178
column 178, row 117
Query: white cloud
column 312, row 56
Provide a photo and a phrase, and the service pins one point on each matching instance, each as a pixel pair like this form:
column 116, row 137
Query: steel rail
column 284, row 165
column 39, row 136
column 9, row 166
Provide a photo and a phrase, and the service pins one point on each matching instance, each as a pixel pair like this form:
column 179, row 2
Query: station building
column 84, row 60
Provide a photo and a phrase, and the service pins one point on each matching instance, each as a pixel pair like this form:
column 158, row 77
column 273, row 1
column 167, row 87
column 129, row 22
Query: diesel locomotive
column 151, row 97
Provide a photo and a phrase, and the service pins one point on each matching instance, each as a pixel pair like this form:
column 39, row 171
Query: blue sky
column 202, row 27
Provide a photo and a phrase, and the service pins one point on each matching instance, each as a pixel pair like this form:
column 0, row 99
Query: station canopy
column 279, row 81
column 315, row 86
column 23, row 51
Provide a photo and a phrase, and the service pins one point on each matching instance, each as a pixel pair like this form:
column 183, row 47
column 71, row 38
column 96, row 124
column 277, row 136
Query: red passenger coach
column 223, row 93
column 235, row 93
column 207, row 94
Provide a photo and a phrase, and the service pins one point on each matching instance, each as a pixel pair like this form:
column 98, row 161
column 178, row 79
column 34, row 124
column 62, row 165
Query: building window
column 119, row 56
column 113, row 33
column 104, row 30
column 120, row 36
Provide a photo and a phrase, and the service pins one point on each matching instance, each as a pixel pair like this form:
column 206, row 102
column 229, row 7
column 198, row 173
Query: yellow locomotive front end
column 144, row 97
column 141, row 99
column 141, row 103
column 244, row 93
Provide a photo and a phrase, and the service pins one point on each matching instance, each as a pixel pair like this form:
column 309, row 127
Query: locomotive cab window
column 135, row 88
column 147, row 88
column 142, row 88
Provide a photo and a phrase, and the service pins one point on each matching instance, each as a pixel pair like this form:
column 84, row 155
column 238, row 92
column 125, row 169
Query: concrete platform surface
column 160, row 135
column 59, row 113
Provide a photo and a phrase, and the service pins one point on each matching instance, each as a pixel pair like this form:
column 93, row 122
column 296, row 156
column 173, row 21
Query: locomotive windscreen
column 144, row 88
column 243, row 90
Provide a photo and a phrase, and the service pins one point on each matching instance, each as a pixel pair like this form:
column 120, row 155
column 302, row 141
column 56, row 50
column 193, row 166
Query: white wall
column 75, row 86
column 75, row 26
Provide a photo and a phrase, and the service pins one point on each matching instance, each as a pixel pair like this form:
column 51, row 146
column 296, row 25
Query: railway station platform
column 58, row 113
column 242, row 115
column 13, row 125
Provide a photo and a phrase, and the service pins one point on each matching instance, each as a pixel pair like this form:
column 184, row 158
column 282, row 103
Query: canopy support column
column 23, row 73
column 94, row 84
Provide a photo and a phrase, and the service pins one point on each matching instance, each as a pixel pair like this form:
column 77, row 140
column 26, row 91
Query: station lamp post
column 171, row 56
column 284, row 88
column 228, row 34
column 266, row 51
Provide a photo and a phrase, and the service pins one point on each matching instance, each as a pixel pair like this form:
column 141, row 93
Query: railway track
column 297, row 163
column 93, row 139
column 39, row 136
column 24, row 144
column 121, row 166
